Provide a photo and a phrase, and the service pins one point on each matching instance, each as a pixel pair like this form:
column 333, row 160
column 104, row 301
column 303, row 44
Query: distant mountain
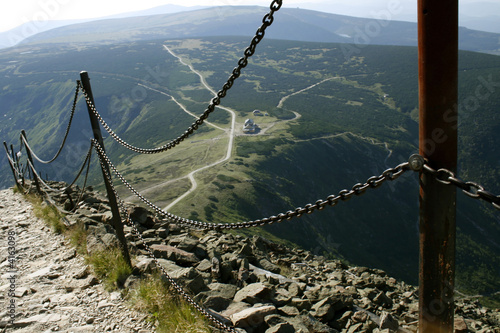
column 290, row 24
column 18, row 34
column 484, row 16
column 28, row 29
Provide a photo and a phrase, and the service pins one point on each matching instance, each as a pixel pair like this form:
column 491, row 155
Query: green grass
column 48, row 213
column 78, row 238
column 110, row 267
column 151, row 295
column 172, row 314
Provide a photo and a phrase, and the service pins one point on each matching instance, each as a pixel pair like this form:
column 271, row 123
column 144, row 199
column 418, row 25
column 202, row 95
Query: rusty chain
column 332, row 200
column 471, row 189
column 104, row 161
column 242, row 63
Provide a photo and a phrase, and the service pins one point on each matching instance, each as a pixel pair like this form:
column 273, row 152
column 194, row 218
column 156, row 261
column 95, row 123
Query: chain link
column 85, row 162
column 105, row 163
column 471, row 189
column 242, row 63
column 332, row 200
column 358, row 189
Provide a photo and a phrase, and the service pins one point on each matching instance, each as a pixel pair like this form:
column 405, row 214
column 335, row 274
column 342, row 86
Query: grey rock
column 144, row 266
column 269, row 266
column 190, row 278
column 289, row 311
column 81, row 273
column 183, row 242
column 217, row 303
column 383, row 300
column 204, row 266
column 281, row 328
column 162, row 232
column 300, row 303
column 100, row 238
column 253, row 293
column 142, row 216
column 252, row 317
column 313, row 325
column 388, row 321
column 223, row 290
column 174, row 254
column 324, row 310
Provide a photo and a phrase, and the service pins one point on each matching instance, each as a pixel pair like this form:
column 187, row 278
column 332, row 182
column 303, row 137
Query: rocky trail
column 247, row 282
column 48, row 288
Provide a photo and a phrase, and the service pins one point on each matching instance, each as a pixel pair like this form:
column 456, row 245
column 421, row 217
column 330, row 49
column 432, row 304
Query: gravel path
column 45, row 286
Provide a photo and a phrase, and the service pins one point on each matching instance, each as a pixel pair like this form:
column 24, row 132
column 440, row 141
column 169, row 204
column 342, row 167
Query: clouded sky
column 16, row 12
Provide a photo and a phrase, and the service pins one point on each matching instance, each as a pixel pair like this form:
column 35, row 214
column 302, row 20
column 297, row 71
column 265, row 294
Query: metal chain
column 86, row 161
column 471, row 189
column 344, row 195
column 104, row 163
column 242, row 63
column 73, row 108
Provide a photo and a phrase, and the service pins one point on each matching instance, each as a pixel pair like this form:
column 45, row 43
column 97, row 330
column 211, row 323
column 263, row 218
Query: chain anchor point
column 416, row 162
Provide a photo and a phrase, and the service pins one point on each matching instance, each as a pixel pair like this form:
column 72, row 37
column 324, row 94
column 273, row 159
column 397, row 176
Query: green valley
column 325, row 124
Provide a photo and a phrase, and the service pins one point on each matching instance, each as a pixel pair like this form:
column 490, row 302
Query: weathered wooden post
column 438, row 77
column 32, row 166
column 10, row 163
column 116, row 221
column 15, row 158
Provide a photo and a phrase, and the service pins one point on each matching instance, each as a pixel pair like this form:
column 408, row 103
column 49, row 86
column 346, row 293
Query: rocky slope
column 251, row 283
column 47, row 286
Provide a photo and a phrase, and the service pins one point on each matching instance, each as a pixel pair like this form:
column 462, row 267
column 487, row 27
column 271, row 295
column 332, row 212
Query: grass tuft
column 77, row 236
column 110, row 267
column 51, row 216
column 172, row 313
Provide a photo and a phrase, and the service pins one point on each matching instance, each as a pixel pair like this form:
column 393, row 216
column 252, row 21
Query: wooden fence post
column 30, row 159
column 116, row 220
column 11, row 166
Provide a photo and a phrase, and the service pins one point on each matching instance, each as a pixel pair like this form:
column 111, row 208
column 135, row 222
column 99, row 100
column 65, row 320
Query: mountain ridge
column 290, row 24
column 292, row 164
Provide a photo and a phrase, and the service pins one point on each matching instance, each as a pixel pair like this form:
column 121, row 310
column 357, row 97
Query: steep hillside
column 331, row 122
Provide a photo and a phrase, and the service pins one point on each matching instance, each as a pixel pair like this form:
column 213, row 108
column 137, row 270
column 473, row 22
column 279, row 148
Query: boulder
column 100, row 238
column 171, row 253
column 142, row 216
column 388, row 321
column 252, row 317
column 325, row 309
column 190, row 278
column 253, row 293
column 222, row 290
column 217, row 303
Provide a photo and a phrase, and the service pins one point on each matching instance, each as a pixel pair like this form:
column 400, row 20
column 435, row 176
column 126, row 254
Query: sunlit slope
column 330, row 124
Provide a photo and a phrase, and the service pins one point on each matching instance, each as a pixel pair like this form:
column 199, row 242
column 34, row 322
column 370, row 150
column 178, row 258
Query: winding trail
column 230, row 131
column 282, row 100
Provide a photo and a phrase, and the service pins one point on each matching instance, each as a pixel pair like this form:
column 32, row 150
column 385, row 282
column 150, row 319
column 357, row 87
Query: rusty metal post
column 30, row 159
column 438, row 78
column 116, row 221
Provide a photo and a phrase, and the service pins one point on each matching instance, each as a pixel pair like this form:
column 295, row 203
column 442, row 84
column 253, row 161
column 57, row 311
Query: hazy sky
column 16, row 12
